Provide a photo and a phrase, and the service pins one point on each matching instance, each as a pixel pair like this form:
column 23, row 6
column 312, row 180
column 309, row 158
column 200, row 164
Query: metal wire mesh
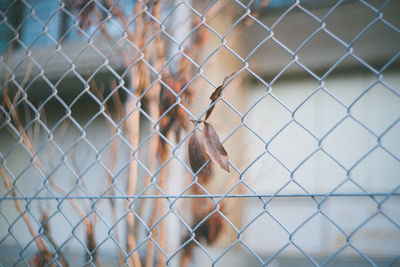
column 314, row 174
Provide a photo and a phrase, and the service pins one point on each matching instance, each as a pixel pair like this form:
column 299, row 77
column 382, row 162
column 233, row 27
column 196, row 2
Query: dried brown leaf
column 197, row 157
column 214, row 147
column 210, row 109
column 216, row 94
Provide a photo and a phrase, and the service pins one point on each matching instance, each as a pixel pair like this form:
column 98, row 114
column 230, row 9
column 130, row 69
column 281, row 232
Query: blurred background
column 97, row 99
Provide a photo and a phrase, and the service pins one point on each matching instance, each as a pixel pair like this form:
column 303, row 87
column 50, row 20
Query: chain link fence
column 106, row 158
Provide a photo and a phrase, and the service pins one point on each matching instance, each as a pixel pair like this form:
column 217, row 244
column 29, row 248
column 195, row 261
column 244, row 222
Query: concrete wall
column 357, row 162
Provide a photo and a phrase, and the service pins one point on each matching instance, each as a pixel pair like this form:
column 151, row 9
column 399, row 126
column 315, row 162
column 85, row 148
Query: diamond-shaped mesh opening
column 320, row 124
column 348, row 93
column 368, row 174
column 271, row 51
column 374, row 240
column 257, row 148
column 267, row 105
column 379, row 30
column 388, row 140
column 389, row 14
column 281, row 147
column 337, row 19
column 41, row 21
column 99, row 102
column 285, row 218
column 354, row 136
column 320, row 249
column 320, row 39
column 273, row 175
column 379, row 123
column 276, row 236
column 324, row 171
column 294, row 20
column 339, row 210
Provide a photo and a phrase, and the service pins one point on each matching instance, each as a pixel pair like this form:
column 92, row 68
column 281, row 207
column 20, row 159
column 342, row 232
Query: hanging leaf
column 216, row 94
column 214, row 147
column 209, row 112
column 197, row 157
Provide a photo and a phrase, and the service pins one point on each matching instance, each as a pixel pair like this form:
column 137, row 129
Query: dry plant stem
column 27, row 74
column 132, row 127
column 160, row 50
column 186, row 258
column 153, row 146
column 153, row 96
column 103, row 28
column 89, row 225
column 132, row 124
column 133, row 121
column 154, row 110
column 117, row 12
column 7, row 74
column 91, row 244
column 35, row 161
column 49, row 238
column 160, row 207
column 158, row 211
column 151, row 163
column 113, row 155
column 39, row 242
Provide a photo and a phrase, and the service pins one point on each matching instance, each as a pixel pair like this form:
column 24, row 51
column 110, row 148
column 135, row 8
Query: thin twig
column 132, row 124
column 113, row 156
column 35, row 161
column 158, row 210
column 7, row 73
column 39, row 242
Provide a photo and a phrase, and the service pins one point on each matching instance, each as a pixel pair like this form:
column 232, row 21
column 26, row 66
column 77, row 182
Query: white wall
column 379, row 171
